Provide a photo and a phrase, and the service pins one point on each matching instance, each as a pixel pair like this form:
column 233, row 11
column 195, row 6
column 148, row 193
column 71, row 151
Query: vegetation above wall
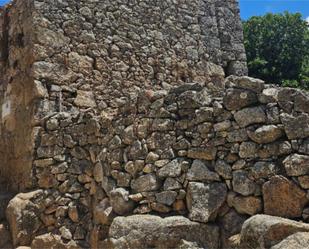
column 277, row 48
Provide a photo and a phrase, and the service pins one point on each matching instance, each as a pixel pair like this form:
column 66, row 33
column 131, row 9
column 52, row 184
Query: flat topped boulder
column 149, row 231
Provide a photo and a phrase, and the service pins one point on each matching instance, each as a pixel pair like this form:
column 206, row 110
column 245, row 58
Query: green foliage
column 277, row 48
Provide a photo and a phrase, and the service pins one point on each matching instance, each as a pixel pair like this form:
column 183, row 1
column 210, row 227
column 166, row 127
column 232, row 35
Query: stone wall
column 113, row 109
column 73, row 55
column 214, row 157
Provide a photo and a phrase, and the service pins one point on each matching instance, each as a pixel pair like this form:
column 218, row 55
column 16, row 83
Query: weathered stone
column 171, row 184
column 301, row 101
column 208, row 153
column 147, row 231
column 73, row 213
column 222, row 126
column 85, row 99
column 295, row 126
column 23, row 217
column 160, row 208
column 251, row 115
column 187, row 245
column 223, row 169
column 242, row 184
column 52, row 241
column 145, row 183
column 246, row 82
column 237, row 136
column 166, row 197
column 134, row 167
column 119, row 200
column 123, row 179
column 200, row 172
column 205, row 200
column 235, row 99
column 269, row 95
column 283, row 198
column 248, row 150
column 298, row 240
column 246, row 204
column 172, row 169
column 264, row 231
column 266, row 134
column 296, row 165
column 263, row 170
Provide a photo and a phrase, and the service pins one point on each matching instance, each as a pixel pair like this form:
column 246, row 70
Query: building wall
column 17, row 96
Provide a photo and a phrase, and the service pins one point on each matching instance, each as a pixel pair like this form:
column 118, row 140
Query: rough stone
column 205, row 200
column 23, row 217
column 242, row 184
column 85, row 99
column 199, row 172
column 172, row 169
column 144, row 183
column 251, row 115
column 146, row 231
column 248, row 150
column 223, row 169
column 245, row 82
column 266, row 134
column 295, row 126
column 166, row 197
column 298, row 240
column 246, row 204
column 236, row 99
column 52, row 241
column 203, row 154
column 296, row 165
column 283, row 198
column 264, row 231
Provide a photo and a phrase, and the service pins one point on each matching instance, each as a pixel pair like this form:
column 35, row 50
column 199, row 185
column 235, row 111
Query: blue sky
column 250, row 8
column 259, row 7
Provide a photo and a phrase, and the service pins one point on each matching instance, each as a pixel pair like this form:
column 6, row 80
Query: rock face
column 283, row 198
column 264, row 231
column 147, row 231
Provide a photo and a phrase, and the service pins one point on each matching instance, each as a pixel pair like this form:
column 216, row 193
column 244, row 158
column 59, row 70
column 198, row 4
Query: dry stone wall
column 188, row 151
column 117, row 112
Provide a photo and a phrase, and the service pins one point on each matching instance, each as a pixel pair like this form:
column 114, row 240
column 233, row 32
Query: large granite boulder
column 148, row 231
column 264, row 231
column 298, row 240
